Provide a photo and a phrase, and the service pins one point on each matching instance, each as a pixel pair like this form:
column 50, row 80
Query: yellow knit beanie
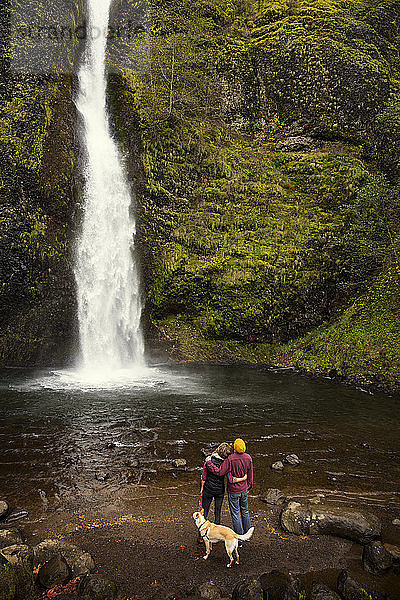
column 239, row 446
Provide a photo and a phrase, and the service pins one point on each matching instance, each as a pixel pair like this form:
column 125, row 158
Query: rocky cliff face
column 263, row 147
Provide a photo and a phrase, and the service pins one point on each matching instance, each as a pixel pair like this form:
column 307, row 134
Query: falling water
column 109, row 305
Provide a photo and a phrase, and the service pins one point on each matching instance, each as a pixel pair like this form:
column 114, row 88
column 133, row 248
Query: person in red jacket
column 238, row 464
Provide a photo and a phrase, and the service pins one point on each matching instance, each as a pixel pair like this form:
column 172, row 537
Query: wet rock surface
column 376, row 559
column 248, row 589
column 79, row 562
column 9, row 537
column 320, row 591
column 273, row 496
column 278, row 466
column 18, row 554
column 298, row 519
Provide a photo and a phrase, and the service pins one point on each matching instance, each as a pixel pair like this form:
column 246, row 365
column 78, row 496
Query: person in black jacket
column 213, row 486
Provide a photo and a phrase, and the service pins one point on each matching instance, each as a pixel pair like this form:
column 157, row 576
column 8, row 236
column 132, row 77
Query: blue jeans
column 239, row 507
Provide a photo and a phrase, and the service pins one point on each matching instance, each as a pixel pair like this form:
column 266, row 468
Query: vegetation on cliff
column 263, row 144
column 269, row 217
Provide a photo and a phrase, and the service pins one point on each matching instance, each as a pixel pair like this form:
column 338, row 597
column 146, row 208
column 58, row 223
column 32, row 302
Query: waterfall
column 109, row 305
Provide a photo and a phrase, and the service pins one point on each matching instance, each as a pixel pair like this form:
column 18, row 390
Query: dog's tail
column 246, row 536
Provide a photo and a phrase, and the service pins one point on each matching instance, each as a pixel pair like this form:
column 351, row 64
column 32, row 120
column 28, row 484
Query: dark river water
column 58, row 430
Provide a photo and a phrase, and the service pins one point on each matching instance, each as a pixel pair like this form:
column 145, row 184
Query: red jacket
column 238, row 465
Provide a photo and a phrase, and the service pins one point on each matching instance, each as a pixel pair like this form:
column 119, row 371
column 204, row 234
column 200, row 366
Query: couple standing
column 238, row 468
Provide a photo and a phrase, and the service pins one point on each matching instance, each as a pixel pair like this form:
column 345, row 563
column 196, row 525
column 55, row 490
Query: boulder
column 96, row 587
column 350, row 589
column 18, row 554
column 4, row 508
column 209, row 591
column 376, row 559
column 300, row 519
column 79, row 561
column 278, row 466
column 53, row 572
column 273, row 496
column 320, row 591
column 248, row 589
column 294, row 590
column 281, row 585
column 9, row 537
column 292, row 459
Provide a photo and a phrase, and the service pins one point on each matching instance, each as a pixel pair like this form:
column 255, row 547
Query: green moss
column 364, row 342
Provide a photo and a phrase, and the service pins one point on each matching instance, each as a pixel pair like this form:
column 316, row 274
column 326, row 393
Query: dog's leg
column 208, row 548
column 236, row 552
column 229, row 548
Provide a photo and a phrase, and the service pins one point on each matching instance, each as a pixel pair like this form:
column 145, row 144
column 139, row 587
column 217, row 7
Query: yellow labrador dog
column 212, row 533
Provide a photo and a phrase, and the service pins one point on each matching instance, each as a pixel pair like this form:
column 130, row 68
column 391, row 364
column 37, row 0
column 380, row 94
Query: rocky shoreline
column 58, row 569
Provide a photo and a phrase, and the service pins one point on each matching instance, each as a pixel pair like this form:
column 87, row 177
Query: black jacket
column 214, row 485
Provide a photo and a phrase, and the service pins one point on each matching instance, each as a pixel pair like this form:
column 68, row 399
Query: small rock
column 53, row 572
column 102, row 476
column 18, row 554
column 317, row 499
column 180, row 462
column 320, row 591
column 394, row 551
column 376, row 559
column 9, row 537
column 273, row 496
column 4, row 508
column 396, row 521
column 16, row 514
column 278, row 465
column 248, row 589
column 292, row 459
column 96, row 587
column 209, row 591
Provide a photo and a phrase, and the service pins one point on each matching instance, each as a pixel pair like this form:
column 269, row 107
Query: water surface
column 58, row 430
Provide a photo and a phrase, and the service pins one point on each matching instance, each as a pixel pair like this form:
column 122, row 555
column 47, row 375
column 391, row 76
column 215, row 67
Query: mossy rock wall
column 270, row 198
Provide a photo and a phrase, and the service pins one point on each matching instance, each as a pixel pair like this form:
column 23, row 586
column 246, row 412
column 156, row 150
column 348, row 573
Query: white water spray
column 109, row 305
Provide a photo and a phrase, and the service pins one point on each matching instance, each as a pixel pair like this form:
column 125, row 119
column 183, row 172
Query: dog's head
column 199, row 517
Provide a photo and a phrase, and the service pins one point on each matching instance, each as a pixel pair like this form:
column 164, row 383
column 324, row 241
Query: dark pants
column 206, row 500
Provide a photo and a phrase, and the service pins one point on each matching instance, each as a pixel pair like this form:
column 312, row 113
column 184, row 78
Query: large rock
column 79, row 561
column 9, row 537
column 18, row 554
column 248, row 589
column 209, row 591
column 281, row 585
column 376, row 559
column 320, row 591
column 350, row 589
column 96, row 587
column 273, row 496
column 53, row 572
column 299, row 519
column 4, row 508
